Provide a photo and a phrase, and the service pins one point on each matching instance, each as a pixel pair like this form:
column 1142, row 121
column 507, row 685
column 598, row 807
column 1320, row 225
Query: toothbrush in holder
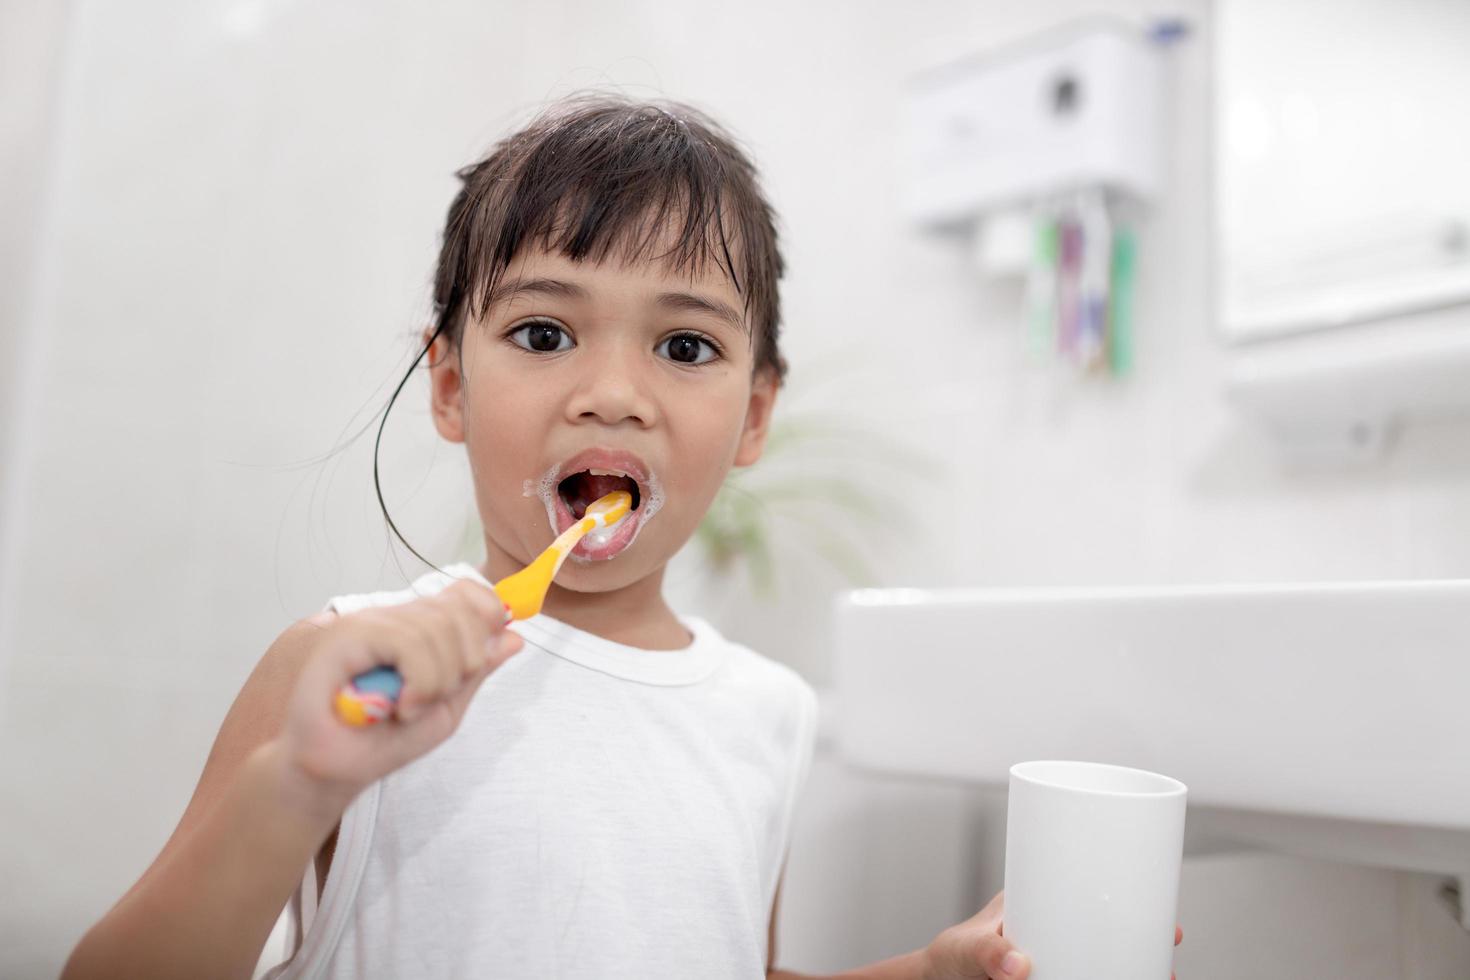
column 372, row 695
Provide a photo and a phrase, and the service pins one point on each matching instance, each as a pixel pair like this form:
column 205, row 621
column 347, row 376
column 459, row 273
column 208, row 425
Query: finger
column 410, row 738
column 459, row 701
column 472, row 636
column 339, row 656
column 994, row 953
column 489, row 605
column 415, row 662
column 510, row 643
column 482, row 619
column 368, row 638
column 437, row 721
column 461, row 647
column 420, row 661
column 1178, row 935
column 440, row 641
column 378, row 639
column 490, row 648
column 443, row 622
column 994, row 910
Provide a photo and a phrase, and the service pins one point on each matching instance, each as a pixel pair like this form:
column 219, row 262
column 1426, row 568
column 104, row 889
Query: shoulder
column 784, row 709
column 259, row 710
column 255, row 717
column 430, row 583
column 772, row 683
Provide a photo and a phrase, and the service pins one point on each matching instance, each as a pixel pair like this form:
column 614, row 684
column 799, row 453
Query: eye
column 688, row 348
column 542, row 337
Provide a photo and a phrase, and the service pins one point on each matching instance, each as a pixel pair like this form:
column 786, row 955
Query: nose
column 613, row 390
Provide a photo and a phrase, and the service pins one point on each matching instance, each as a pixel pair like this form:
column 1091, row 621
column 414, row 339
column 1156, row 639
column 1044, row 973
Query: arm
column 207, row 906
column 208, row 902
column 976, row 949
column 281, row 773
column 907, row 967
column 972, row 950
column 910, row 966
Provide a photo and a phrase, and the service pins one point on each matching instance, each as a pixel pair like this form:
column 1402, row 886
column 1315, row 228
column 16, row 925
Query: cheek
column 707, row 439
column 507, row 432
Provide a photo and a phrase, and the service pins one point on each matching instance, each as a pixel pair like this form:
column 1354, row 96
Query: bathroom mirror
column 1342, row 162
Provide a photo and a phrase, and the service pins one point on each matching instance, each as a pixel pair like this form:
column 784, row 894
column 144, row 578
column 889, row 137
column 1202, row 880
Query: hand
column 978, row 944
column 444, row 645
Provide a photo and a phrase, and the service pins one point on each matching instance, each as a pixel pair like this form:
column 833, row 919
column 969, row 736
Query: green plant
column 804, row 493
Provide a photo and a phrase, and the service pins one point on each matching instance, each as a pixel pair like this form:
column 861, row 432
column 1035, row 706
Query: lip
column 602, row 459
column 605, row 459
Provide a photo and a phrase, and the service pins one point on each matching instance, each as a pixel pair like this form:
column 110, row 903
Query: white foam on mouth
column 652, row 500
column 602, row 534
column 545, row 488
column 647, row 508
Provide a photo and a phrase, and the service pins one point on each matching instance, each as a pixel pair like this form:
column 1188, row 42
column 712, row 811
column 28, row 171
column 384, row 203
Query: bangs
column 598, row 179
column 682, row 230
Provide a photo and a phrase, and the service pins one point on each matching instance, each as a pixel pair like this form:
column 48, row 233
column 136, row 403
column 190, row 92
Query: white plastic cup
column 1092, row 870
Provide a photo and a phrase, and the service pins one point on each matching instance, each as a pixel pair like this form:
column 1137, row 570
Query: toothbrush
column 372, row 695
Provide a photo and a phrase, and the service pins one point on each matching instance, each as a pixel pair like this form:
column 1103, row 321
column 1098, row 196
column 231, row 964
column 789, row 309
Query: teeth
column 607, row 472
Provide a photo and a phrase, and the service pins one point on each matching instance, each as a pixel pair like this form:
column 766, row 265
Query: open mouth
column 568, row 488
column 583, row 488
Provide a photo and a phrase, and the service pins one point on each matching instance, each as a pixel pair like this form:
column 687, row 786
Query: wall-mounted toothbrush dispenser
column 1077, row 108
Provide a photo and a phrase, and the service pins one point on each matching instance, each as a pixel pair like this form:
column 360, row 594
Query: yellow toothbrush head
column 524, row 591
column 608, row 510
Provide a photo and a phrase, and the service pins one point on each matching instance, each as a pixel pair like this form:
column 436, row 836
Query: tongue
column 583, row 489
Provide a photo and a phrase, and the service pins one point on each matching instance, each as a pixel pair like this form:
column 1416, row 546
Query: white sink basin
column 1326, row 719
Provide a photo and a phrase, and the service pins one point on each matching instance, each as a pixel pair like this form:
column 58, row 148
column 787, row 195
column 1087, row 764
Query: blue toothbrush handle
column 370, row 697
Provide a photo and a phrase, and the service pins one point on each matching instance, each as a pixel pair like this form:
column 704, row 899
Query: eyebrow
column 504, row 290
column 676, row 302
column 690, row 303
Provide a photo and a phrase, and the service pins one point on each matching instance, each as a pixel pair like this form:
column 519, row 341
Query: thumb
column 998, row 958
column 967, row 951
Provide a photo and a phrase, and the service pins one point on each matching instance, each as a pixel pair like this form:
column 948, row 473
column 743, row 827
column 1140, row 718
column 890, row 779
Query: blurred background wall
column 221, row 222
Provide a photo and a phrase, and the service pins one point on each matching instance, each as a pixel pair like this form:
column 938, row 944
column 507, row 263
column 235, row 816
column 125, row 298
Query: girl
column 617, row 798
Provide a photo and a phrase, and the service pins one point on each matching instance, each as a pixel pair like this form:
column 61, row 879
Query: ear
column 757, row 417
column 446, row 387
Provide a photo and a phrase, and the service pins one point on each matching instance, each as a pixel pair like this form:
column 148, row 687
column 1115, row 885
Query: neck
column 635, row 615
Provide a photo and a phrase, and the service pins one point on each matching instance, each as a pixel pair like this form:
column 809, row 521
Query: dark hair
column 597, row 174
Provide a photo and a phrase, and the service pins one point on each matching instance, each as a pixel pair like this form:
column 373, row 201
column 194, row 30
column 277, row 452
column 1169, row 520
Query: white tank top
column 602, row 811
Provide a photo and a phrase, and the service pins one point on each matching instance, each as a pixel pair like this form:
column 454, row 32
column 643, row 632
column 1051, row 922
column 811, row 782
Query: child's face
column 628, row 368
